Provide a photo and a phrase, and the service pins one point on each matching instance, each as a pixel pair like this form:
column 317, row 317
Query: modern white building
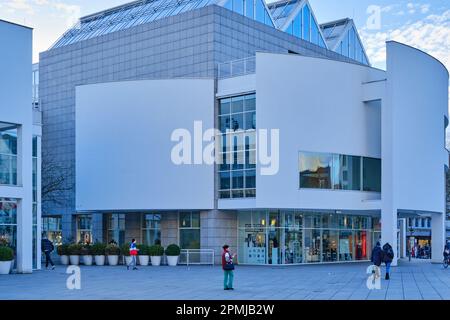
column 132, row 104
column 20, row 132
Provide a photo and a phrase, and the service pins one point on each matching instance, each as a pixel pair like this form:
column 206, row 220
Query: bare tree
column 55, row 184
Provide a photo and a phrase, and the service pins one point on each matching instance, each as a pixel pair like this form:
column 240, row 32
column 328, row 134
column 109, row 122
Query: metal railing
column 197, row 257
column 236, row 68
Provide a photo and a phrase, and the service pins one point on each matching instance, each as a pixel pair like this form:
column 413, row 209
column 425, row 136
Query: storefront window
column 84, row 228
column 151, row 229
column 293, row 237
column 52, row 229
column 8, row 154
column 116, row 228
column 8, row 222
column 189, row 230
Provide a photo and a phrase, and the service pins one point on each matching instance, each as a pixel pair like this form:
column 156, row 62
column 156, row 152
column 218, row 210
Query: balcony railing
column 197, row 257
column 237, row 68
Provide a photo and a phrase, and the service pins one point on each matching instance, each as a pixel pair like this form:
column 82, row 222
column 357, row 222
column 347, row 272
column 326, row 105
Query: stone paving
column 410, row 280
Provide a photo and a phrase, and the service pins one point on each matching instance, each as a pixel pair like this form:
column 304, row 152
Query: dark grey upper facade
column 190, row 44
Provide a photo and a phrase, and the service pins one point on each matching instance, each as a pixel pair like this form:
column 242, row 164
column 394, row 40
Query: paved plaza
column 410, row 280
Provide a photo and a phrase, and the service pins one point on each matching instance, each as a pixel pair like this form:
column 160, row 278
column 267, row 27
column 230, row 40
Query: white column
column 389, row 230
column 437, row 237
column 25, row 209
column 39, row 203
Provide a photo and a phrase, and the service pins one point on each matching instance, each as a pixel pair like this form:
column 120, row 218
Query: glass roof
column 127, row 16
column 281, row 10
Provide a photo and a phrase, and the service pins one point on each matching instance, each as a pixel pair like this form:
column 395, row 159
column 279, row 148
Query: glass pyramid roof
column 127, row 16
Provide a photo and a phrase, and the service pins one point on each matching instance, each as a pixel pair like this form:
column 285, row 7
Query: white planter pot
column 5, row 267
column 143, row 260
column 64, row 260
column 128, row 260
column 113, row 260
column 87, row 260
column 172, row 260
column 156, row 260
column 74, row 260
column 99, row 260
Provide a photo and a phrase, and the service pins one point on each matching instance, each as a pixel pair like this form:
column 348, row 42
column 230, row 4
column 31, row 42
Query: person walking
column 47, row 247
column 228, row 267
column 377, row 259
column 133, row 253
column 388, row 256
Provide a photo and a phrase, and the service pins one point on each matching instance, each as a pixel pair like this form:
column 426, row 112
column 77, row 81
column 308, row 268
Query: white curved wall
column 317, row 105
column 417, row 100
column 123, row 145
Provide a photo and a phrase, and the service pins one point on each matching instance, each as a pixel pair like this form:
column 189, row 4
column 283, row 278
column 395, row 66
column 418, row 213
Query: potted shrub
column 86, row 252
column 112, row 252
column 98, row 251
column 172, row 253
column 125, row 251
column 6, row 259
column 156, row 252
column 144, row 255
column 63, row 252
column 74, row 254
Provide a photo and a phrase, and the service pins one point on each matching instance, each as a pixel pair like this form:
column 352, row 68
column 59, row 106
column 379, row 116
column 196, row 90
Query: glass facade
column 84, row 228
column 52, row 229
column 116, row 228
column 294, row 237
column 8, row 154
column 35, row 199
column 189, row 226
column 237, row 156
column 8, row 221
column 151, row 229
column 339, row 172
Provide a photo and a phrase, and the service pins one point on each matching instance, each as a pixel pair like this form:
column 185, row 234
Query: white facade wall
column 123, row 150
column 15, row 108
column 317, row 106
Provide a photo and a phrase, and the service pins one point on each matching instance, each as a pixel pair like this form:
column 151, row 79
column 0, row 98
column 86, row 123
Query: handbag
column 228, row 267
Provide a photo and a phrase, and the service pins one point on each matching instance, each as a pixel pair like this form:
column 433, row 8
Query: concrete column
column 437, row 237
column 39, row 203
column 169, row 228
column 25, row 208
column 218, row 228
column 389, row 230
column 68, row 227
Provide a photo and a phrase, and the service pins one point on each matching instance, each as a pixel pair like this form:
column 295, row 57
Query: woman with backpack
column 388, row 256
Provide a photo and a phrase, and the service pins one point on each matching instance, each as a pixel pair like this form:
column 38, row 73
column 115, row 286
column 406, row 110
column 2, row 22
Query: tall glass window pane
column 315, row 170
column 151, row 230
column 306, row 23
column 312, row 247
column 249, row 9
column 238, row 6
column 372, row 174
column 84, row 228
column 329, row 245
column 314, row 32
column 225, row 106
column 349, row 173
column 345, row 46
column 8, row 154
column 260, row 11
column 116, row 228
column 346, row 245
column 351, row 41
column 297, row 26
column 190, row 230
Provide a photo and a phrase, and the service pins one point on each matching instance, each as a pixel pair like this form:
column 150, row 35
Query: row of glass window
column 352, row 48
column 339, row 172
column 304, row 26
column 288, row 237
column 419, row 222
column 253, row 9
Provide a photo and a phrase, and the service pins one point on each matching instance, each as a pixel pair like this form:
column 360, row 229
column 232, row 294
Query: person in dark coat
column 388, row 256
column 47, row 248
column 377, row 255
